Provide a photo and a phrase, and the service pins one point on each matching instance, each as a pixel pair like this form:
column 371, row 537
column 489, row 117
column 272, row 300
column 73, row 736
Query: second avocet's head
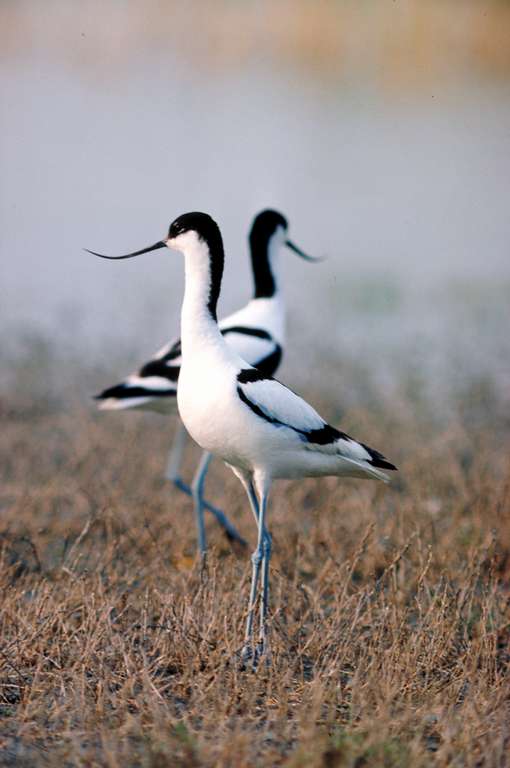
column 269, row 232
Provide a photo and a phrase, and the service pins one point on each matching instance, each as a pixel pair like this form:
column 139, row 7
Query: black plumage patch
column 324, row 435
column 377, row 459
column 174, row 351
column 161, row 369
column 270, row 364
column 244, row 330
column 208, row 231
column 263, row 228
column 124, row 392
column 249, row 375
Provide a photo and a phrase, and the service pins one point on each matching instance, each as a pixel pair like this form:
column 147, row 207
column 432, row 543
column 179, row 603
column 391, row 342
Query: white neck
column 198, row 327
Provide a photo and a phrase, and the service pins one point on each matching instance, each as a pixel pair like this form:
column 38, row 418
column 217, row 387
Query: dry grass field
column 390, row 613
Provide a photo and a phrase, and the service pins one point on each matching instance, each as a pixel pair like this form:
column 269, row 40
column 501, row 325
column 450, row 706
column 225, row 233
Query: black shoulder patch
column 249, row 375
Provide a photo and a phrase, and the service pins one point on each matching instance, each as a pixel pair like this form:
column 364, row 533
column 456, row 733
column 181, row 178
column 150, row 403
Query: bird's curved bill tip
column 300, row 253
column 159, row 244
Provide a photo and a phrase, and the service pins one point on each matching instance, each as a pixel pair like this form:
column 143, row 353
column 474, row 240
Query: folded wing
column 280, row 406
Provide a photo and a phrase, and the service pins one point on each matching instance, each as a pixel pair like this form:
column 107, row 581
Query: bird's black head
column 268, row 233
column 201, row 223
column 266, row 223
column 183, row 234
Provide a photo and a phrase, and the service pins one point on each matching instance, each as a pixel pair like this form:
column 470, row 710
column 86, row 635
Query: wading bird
column 260, row 428
column 256, row 333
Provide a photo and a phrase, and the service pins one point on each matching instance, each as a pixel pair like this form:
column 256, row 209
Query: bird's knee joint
column 256, row 557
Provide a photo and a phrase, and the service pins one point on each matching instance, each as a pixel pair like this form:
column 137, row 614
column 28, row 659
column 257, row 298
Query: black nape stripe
column 263, row 228
column 208, row 231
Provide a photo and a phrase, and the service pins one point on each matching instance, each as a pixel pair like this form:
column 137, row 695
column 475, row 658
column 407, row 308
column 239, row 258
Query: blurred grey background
column 380, row 129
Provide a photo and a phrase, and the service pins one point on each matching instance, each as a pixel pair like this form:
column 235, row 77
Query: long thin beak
column 299, row 252
column 159, row 244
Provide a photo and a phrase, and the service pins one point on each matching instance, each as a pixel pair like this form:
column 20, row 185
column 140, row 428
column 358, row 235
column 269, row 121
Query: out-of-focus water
column 408, row 197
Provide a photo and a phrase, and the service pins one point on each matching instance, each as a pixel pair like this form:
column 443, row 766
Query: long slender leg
column 172, row 473
column 264, row 606
column 173, row 466
column 257, row 487
column 256, row 560
column 197, row 489
column 266, row 549
column 262, row 484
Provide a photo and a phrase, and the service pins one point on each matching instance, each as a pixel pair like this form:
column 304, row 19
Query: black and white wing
column 280, row 406
column 152, row 387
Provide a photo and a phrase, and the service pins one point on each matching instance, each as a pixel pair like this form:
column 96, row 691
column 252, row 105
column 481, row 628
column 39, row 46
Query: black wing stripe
column 325, row 435
column 322, row 436
column 174, row 351
column 258, row 333
column 123, row 392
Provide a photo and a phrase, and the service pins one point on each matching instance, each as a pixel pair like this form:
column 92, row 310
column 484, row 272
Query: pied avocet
column 262, row 429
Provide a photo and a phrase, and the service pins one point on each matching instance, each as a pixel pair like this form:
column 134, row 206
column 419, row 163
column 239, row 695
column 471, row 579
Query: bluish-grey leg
column 259, row 556
column 263, row 646
column 173, row 465
column 198, row 495
column 197, row 489
column 256, row 560
column 173, row 474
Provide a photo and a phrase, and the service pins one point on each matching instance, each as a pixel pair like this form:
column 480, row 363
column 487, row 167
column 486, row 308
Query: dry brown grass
column 390, row 615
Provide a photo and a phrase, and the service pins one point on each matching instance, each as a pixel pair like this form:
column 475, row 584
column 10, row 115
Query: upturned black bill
column 159, row 244
column 299, row 252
